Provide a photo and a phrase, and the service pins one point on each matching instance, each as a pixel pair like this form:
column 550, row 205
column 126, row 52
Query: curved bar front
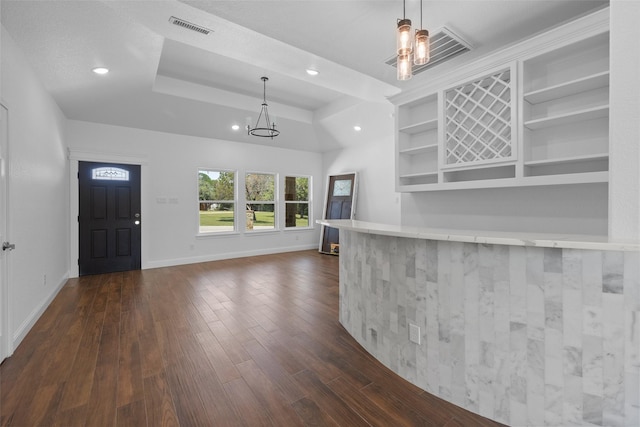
column 515, row 330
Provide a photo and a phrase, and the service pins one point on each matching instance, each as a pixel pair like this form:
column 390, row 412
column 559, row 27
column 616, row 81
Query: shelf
column 529, row 181
column 568, row 88
column 418, row 175
column 573, row 117
column 420, row 127
column 563, row 160
column 419, row 150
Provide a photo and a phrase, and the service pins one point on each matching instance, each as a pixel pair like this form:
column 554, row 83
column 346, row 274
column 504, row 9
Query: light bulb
column 404, row 42
column 404, row 67
column 421, row 54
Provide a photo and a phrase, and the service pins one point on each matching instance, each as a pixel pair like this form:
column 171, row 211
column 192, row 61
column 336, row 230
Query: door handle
column 9, row 246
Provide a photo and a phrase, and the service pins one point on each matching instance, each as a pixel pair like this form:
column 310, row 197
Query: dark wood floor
column 252, row 341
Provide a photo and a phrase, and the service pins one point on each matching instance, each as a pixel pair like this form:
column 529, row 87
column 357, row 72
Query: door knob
column 9, row 246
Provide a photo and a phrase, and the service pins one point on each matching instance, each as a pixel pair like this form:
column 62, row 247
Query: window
column 296, row 199
column 110, row 173
column 216, row 204
column 260, row 197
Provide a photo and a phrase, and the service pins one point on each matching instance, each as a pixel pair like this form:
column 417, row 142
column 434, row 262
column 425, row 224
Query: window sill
column 217, row 234
column 261, row 232
column 299, row 228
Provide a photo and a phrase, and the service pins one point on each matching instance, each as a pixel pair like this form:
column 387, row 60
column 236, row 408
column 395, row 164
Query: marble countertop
column 545, row 240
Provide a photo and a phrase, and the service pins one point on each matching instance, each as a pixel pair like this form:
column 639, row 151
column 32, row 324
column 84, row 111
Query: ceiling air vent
column 189, row 26
column 445, row 45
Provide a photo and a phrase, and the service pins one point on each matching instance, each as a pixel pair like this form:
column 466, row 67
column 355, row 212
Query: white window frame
column 235, row 201
column 276, row 210
column 308, row 202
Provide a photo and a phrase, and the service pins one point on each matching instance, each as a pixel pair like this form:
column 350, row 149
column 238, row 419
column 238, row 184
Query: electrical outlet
column 414, row 333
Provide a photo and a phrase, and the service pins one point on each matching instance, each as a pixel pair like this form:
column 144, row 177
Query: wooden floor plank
column 222, row 364
column 371, row 413
column 249, row 341
column 130, row 379
column 160, row 410
column 274, row 371
column 217, row 406
column 328, row 400
column 78, row 386
column 268, row 395
column 248, row 409
column 132, row 414
column 312, row 415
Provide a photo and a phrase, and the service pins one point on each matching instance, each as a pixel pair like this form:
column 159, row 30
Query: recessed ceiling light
column 312, row 72
column 357, row 128
column 235, row 127
column 100, row 70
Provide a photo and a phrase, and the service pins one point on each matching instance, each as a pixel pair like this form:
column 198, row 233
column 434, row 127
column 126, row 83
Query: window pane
column 109, row 173
column 216, row 205
column 297, row 215
column 216, row 185
column 296, row 188
column 260, row 187
column 260, row 216
column 216, row 217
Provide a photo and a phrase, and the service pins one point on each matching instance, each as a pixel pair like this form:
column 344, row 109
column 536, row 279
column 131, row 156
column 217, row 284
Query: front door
column 109, row 220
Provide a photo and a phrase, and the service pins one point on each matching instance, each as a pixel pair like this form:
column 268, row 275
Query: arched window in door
column 110, row 173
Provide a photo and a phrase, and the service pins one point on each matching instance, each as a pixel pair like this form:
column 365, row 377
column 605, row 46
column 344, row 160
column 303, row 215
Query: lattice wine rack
column 478, row 121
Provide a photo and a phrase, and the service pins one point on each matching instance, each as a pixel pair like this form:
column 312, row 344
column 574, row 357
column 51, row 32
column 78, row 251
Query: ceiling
column 167, row 78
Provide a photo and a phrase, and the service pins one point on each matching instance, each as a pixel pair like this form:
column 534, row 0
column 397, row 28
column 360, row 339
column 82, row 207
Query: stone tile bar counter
column 528, row 330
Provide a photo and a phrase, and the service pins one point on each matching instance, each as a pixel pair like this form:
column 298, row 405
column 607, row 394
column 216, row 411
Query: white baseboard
column 33, row 317
column 226, row 255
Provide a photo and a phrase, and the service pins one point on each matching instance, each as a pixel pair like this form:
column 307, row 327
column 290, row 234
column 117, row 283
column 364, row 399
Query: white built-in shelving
column 417, row 153
column 565, row 106
column 539, row 116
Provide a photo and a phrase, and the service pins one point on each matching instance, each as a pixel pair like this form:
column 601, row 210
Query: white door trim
column 6, row 343
column 77, row 155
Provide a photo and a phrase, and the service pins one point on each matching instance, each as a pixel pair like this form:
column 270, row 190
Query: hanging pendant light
column 404, row 46
column 404, row 67
column 404, row 41
column 421, row 53
column 410, row 49
column 268, row 130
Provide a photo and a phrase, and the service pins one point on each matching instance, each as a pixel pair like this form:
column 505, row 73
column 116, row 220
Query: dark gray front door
column 340, row 198
column 109, row 220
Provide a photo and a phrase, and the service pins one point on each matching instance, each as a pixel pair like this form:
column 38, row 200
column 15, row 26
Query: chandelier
column 268, row 129
column 411, row 50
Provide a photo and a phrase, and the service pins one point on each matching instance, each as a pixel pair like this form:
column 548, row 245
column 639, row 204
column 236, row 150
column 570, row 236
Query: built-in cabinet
column 540, row 116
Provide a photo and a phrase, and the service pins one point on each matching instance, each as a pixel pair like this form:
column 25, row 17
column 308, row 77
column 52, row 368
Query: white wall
column 573, row 209
column 38, row 192
column 170, row 166
column 377, row 200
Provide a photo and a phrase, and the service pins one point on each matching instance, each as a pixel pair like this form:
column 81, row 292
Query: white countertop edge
column 544, row 240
